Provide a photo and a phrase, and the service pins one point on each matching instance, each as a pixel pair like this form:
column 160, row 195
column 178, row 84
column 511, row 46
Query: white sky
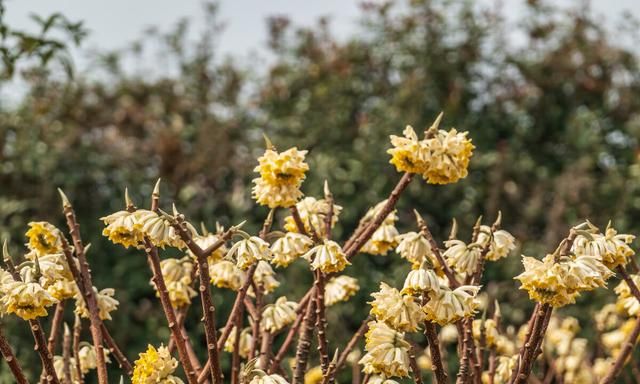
column 114, row 23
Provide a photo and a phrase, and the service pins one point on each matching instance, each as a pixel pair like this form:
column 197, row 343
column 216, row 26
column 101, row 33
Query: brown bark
column 12, row 362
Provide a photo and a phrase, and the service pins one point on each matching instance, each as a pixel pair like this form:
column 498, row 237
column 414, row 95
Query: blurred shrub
column 553, row 117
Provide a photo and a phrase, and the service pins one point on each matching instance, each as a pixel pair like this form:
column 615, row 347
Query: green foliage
column 554, row 119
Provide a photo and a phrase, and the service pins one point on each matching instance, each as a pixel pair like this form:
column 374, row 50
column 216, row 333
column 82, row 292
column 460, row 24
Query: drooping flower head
column 462, row 257
column 106, row 303
column 340, row 288
column 26, row 299
column 387, row 351
column 312, row 213
column 290, row 247
column 420, row 281
column 123, row 227
column 448, row 306
column 448, row 156
column 278, row 315
column 281, row 175
column 502, row 242
column 44, row 238
column 249, row 251
column 415, row 248
column 328, row 257
column 155, row 366
column 225, row 274
column 400, row 312
column 612, row 248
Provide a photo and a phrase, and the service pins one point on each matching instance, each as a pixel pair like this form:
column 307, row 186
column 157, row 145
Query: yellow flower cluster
column 178, row 274
column 278, row 315
column 501, row 245
column 385, row 237
column 611, row 248
column 155, row 366
column 260, row 377
column 387, row 351
column 626, row 300
column 264, row 277
column 225, row 274
column 328, row 257
column 290, row 247
column 447, row 306
column 130, row 228
column 441, row 158
column 44, row 238
column 87, row 358
column 416, row 249
column 249, row 251
column 106, row 304
column 244, row 346
column 281, row 175
column 340, row 288
column 312, row 214
column 26, row 299
column 400, row 312
column 559, row 283
column 461, row 257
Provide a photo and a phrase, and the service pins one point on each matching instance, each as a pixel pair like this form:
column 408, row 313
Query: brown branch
column 364, row 327
column 12, row 362
column 431, row 334
column 631, row 340
column 392, row 200
column 41, row 348
column 298, row 220
column 108, row 339
column 89, row 295
column 66, row 354
column 161, row 287
column 56, row 324
column 77, row 329
column 321, row 323
column 111, row 344
column 293, row 331
column 424, row 230
column 530, row 347
column 235, row 358
column 417, row 376
column 304, row 343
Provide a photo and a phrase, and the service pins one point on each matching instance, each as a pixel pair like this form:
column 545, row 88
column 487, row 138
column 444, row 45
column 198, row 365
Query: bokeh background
column 549, row 93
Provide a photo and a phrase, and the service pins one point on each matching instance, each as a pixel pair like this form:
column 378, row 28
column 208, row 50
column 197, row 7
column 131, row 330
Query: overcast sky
column 114, row 23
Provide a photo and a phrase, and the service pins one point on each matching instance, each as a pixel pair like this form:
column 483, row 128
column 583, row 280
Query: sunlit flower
column 485, row 329
column 387, row 351
column 123, row 227
column 448, row 155
column 205, row 242
column 278, row 315
column 339, row 288
column 328, row 257
column 58, row 366
column 106, row 304
column 225, row 274
column 87, row 357
column 290, row 247
column 244, row 346
column 262, row 378
column 281, row 175
column 415, row 248
column 612, row 248
column 504, row 369
column 248, row 251
column 312, row 213
column 377, row 379
column 408, row 153
column 401, row 312
column 177, row 269
column 44, row 238
column 382, row 241
column 421, row 280
column 461, row 257
column 155, row 366
column 448, row 306
column 160, row 231
column 264, row 277
column 26, row 300
column 501, row 244
column 627, row 301
column 314, row 375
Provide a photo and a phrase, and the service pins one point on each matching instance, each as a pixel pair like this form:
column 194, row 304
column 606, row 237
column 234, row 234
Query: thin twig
column 56, row 324
column 161, row 287
column 77, row 329
column 89, row 295
column 10, row 358
column 304, row 343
